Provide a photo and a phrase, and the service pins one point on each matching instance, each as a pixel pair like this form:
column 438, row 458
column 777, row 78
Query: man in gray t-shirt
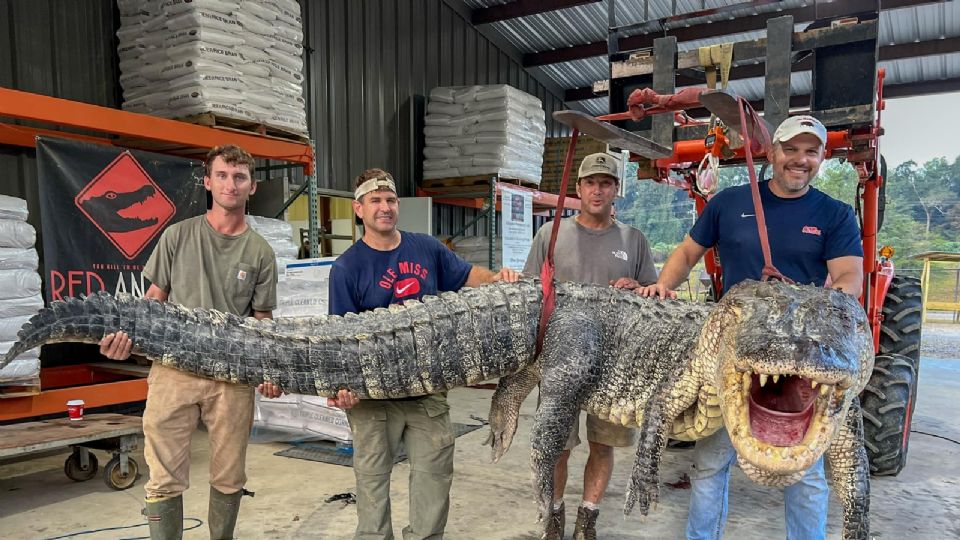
column 593, row 248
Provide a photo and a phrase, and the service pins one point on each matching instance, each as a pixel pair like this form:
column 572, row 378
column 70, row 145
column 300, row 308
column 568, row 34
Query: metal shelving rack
column 102, row 385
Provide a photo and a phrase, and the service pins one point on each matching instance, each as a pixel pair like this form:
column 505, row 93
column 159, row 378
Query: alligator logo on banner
column 126, row 205
column 102, row 210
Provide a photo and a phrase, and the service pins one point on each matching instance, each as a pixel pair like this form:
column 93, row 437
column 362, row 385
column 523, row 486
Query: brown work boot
column 555, row 523
column 586, row 527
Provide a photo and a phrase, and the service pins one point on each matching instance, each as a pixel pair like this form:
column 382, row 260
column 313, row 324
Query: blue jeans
column 805, row 503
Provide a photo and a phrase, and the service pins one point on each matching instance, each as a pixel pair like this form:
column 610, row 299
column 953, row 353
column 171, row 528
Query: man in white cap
column 593, row 247
column 812, row 236
column 389, row 266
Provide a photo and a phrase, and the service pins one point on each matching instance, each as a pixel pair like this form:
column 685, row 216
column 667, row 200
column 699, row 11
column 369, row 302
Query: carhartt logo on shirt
column 810, row 229
column 242, row 275
column 620, row 254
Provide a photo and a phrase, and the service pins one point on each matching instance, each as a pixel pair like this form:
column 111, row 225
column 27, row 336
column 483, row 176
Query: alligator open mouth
column 781, row 422
column 781, row 407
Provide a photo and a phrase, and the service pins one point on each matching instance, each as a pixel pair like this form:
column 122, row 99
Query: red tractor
column 656, row 128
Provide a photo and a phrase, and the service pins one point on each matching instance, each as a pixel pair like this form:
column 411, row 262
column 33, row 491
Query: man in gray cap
column 593, row 247
column 812, row 236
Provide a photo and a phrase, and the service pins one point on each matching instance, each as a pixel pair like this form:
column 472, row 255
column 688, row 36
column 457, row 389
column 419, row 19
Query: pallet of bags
column 239, row 62
column 483, row 130
column 20, row 295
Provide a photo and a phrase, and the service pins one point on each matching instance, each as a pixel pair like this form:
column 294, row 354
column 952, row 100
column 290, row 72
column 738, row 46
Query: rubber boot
column 586, row 527
column 165, row 516
column 222, row 514
column 555, row 523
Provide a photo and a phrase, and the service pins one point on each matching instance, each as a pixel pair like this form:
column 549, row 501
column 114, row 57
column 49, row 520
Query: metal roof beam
column 921, row 88
column 521, row 8
column 889, row 52
column 719, row 28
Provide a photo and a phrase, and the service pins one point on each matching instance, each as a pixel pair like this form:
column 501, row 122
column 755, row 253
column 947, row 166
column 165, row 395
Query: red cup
column 75, row 409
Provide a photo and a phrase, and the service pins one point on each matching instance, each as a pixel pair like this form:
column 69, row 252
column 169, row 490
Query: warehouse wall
column 57, row 48
column 369, row 63
column 369, row 59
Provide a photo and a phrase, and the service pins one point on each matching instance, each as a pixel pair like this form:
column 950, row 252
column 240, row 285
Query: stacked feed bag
column 279, row 234
column 476, row 130
column 238, row 59
column 19, row 289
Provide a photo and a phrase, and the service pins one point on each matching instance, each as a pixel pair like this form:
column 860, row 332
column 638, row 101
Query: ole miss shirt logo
column 810, row 229
column 404, row 280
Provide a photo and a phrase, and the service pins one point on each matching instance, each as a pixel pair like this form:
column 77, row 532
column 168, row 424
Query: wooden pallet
column 19, row 389
column 243, row 126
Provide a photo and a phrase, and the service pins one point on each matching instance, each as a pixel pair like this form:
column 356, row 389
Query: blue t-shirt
column 804, row 233
column 364, row 278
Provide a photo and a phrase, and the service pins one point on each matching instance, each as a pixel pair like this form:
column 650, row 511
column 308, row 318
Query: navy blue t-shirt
column 364, row 278
column 804, row 233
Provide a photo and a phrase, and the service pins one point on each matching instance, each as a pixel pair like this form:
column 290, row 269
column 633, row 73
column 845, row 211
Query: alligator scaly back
column 415, row 349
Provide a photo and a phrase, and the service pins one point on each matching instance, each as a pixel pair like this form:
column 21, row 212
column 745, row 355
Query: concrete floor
column 493, row 501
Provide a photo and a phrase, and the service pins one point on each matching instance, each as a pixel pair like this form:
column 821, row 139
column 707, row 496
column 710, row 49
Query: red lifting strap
column 751, row 144
column 548, row 268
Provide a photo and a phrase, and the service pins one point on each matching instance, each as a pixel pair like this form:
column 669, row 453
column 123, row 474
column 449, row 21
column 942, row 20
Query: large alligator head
column 105, row 209
column 789, row 361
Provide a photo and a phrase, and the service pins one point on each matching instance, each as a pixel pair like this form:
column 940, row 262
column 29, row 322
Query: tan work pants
column 423, row 425
column 176, row 401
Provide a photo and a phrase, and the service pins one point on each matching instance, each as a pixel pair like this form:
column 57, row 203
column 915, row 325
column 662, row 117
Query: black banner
column 102, row 210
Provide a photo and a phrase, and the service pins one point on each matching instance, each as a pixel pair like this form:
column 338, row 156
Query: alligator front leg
column 644, row 488
column 571, row 370
column 505, row 408
column 851, row 475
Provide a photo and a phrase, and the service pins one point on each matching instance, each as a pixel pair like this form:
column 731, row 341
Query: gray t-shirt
column 200, row 267
column 593, row 256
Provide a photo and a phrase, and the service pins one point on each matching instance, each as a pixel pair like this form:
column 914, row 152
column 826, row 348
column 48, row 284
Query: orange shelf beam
column 540, row 199
column 62, row 112
column 55, row 401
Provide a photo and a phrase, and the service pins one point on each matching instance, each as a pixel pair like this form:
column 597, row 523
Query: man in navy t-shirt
column 812, row 236
column 385, row 267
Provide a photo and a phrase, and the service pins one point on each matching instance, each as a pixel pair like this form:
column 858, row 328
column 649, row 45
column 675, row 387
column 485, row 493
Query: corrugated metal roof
column 588, row 23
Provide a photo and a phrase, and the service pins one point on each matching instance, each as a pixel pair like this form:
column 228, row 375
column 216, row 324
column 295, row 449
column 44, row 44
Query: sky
column 921, row 128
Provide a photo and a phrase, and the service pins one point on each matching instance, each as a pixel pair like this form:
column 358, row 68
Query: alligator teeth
column 824, row 389
column 763, row 379
column 813, row 384
column 776, row 378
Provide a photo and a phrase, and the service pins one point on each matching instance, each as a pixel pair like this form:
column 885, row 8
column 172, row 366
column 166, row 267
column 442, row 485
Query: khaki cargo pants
column 423, row 425
column 176, row 401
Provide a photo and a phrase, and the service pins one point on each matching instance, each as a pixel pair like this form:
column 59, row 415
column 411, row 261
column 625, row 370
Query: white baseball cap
column 795, row 125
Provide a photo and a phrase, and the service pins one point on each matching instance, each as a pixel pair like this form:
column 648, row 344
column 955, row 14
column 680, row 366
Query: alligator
column 105, row 209
column 779, row 365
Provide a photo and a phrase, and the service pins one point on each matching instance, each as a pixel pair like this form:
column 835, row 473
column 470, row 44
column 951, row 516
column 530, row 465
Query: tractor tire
column 887, row 406
column 889, row 398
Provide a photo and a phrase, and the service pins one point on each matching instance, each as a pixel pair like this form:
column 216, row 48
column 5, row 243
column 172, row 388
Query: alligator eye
column 110, row 195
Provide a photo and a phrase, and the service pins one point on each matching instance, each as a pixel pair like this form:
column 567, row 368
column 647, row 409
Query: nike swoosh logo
column 747, row 215
column 402, row 290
